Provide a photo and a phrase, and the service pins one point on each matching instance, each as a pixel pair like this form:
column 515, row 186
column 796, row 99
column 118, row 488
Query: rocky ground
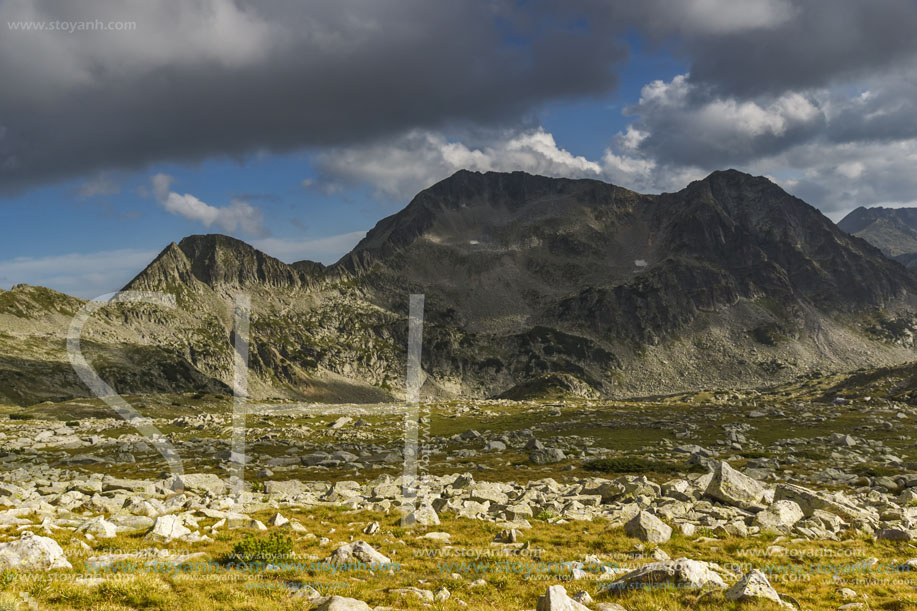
column 795, row 497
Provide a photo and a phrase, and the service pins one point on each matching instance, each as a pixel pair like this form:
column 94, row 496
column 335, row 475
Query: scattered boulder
column 809, row 501
column 508, row 535
column 442, row 537
column 779, row 517
column 733, row 488
column 556, row 599
column 424, row 515
column 847, row 594
column 198, row 482
column 682, row 572
column 547, row 456
column 441, row 594
column 340, row 423
column 896, row 534
column 167, row 528
column 98, row 527
column 361, row 550
column 754, row 587
column 278, row 520
column 424, row 595
column 371, row 528
column 32, row 552
column 339, row 603
column 647, row 527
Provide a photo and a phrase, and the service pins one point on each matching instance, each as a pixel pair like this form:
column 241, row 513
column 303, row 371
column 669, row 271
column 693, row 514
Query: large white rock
column 167, row 528
column 424, row 515
column 754, row 587
column 340, row 423
column 556, row 599
column 647, row 527
column 489, row 491
column 32, row 552
column 779, row 517
column 547, row 456
column 682, row 572
column 98, row 527
column 339, row 603
column 733, row 488
column 198, row 482
column 360, row 550
column 810, row 501
column 278, row 520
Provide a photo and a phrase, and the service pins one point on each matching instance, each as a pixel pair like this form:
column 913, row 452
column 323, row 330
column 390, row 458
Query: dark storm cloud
column 833, row 78
column 885, row 111
column 212, row 77
column 202, row 78
column 754, row 47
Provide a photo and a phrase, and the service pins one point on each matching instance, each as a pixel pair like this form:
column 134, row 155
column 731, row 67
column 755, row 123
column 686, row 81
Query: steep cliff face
column 531, row 283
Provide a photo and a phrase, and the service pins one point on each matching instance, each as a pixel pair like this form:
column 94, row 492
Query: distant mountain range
column 892, row 230
column 533, row 285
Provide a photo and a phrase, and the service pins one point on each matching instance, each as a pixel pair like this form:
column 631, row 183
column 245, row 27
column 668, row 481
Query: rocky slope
column 728, row 282
column 893, row 230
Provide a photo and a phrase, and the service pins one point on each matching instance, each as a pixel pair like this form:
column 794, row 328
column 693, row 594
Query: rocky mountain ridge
column 893, row 230
column 728, row 282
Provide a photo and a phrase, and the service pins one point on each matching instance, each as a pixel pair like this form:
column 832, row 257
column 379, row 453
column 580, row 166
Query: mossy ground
column 811, row 572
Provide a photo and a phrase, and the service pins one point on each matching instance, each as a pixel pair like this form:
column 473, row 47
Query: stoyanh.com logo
column 69, row 27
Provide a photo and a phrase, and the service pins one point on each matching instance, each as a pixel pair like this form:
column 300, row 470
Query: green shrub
column 639, row 465
column 810, row 454
column 6, row 578
column 754, row 454
column 873, row 470
column 274, row 547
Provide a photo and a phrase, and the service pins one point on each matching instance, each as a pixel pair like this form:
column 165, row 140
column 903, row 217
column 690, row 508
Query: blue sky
column 297, row 127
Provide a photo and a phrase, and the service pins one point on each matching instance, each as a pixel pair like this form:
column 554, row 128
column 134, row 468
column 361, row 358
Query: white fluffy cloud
column 402, row 166
column 682, row 123
column 238, row 214
column 837, row 177
column 835, row 148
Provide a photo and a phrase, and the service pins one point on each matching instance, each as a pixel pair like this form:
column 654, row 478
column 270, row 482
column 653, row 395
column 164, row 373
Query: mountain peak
column 467, row 199
column 217, row 261
column 514, row 184
column 892, row 230
column 736, row 183
column 212, row 241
